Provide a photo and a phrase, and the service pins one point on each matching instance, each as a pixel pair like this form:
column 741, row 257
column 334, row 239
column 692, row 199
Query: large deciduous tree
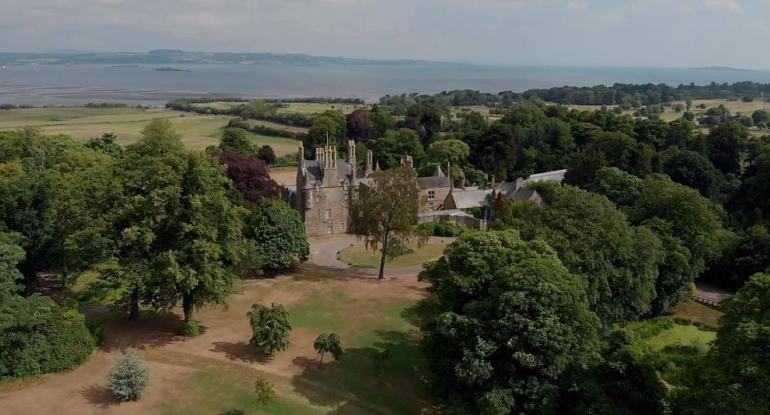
column 595, row 241
column 505, row 322
column 385, row 211
column 176, row 225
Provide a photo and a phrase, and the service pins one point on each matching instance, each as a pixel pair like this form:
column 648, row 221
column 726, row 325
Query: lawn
column 382, row 371
column 359, row 256
column 198, row 131
column 685, row 335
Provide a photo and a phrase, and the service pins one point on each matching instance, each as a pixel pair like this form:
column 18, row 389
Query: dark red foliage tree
column 360, row 126
column 250, row 175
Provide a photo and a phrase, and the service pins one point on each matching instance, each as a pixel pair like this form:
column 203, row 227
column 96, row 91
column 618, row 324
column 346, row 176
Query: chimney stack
column 369, row 162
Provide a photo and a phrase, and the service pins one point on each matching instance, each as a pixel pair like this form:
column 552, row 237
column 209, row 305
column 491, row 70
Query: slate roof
column 468, row 199
column 433, row 182
column 315, row 172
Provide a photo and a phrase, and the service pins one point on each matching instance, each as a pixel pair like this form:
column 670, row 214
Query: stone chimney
column 352, row 161
column 462, row 180
column 369, row 162
column 519, row 183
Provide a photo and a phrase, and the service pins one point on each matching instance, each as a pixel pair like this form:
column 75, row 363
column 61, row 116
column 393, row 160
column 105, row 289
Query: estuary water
column 146, row 85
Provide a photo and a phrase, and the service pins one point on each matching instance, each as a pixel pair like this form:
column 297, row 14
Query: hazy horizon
column 584, row 33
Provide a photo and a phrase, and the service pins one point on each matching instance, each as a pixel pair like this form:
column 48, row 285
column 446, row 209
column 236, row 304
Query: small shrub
column 129, row 377
column 191, row 329
column 328, row 343
column 264, row 391
column 270, row 327
column 234, row 412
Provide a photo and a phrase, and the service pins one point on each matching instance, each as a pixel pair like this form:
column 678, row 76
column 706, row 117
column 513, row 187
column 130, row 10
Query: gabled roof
column 433, row 182
column 468, row 199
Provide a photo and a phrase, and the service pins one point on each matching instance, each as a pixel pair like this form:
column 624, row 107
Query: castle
column 326, row 185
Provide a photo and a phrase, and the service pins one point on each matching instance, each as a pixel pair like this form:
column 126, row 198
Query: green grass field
column 359, row 256
column 685, row 335
column 198, row 131
column 314, row 108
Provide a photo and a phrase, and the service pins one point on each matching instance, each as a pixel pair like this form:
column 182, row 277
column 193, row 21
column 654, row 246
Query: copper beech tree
column 385, row 212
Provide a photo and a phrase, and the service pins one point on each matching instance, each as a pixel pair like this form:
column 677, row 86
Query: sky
column 660, row 33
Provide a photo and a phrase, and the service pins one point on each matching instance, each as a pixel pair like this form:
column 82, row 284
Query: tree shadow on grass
column 242, row 352
column 99, row 395
column 386, row 378
column 150, row 331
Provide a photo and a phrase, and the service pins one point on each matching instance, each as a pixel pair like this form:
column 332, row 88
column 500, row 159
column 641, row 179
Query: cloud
column 577, row 6
column 731, row 6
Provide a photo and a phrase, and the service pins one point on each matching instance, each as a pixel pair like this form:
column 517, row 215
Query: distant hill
column 170, row 56
column 722, row 69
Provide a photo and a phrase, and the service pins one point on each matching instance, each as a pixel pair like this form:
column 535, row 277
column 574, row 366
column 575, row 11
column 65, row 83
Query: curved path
column 324, row 250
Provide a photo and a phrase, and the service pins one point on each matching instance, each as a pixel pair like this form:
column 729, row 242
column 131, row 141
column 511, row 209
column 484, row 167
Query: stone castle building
column 326, row 185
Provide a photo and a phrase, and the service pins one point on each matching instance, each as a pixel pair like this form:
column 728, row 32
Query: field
column 291, row 107
column 380, row 373
column 198, row 131
column 359, row 256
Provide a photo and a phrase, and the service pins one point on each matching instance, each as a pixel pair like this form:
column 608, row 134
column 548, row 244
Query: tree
column 691, row 169
column 264, row 391
column 236, row 140
column 270, row 328
column 594, row 240
column 280, row 235
column 36, row 335
column 390, row 149
column 158, row 138
column 328, row 126
column 726, row 142
column 266, row 154
column 129, row 377
column 250, row 176
column 360, row 126
column 732, row 378
column 506, row 320
column 176, row 225
column 328, row 343
column 620, row 187
column 385, row 212
column 107, row 143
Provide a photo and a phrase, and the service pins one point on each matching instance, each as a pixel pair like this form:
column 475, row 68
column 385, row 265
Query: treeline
column 264, row 129
column 624, row 95
column 256, row 110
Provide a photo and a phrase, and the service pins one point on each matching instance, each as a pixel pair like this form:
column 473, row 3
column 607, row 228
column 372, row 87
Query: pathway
column 324, row 250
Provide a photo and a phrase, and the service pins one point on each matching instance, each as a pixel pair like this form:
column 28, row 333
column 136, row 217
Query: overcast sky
column 681, row 33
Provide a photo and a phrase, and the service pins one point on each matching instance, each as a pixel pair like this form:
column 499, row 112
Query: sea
column 40, row 84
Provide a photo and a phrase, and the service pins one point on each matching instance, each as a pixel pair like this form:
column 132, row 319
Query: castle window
column 431, row 195
column 328, row 216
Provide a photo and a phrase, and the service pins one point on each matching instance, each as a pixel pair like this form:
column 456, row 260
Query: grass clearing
column 698, row 313
column 359, row 256
column 82, row 123
column 682, row 334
